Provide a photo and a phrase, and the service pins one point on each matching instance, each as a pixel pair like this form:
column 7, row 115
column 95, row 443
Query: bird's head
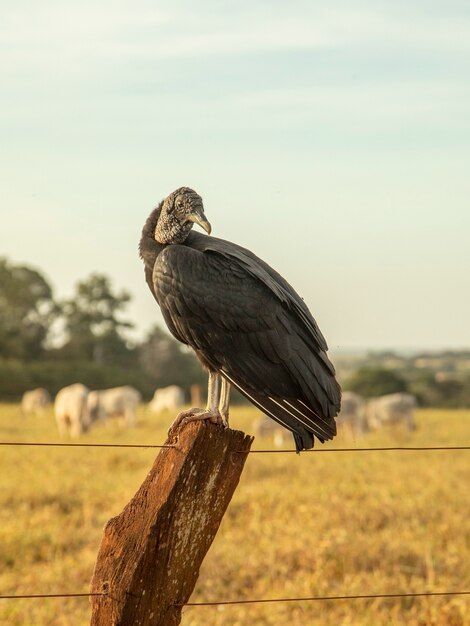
column 179, row 211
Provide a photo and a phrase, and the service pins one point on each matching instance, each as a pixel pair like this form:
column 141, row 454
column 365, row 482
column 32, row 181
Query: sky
column 332, row 139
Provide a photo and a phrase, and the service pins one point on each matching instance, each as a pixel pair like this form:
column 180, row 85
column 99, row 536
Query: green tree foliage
column 370, row 382
column 446, row 393
column 27, row 311
column 96, row 350
column 16, row 377
column 93, row 325
column 168, row 362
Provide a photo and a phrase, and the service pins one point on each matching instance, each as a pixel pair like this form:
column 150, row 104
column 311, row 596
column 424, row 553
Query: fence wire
column 370, row 596
column 267, row 451
column 84, row 445
column 50, row 595
column 252, row 600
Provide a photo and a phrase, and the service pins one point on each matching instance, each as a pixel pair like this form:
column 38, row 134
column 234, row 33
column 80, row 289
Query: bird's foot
column 224, row 419
column 194, row 415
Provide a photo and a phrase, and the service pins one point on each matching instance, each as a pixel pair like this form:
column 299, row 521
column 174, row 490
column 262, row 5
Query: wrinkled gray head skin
column 180, row 210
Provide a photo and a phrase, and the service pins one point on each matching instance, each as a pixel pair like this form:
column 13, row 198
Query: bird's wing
column 251, row 330
column 258, row 268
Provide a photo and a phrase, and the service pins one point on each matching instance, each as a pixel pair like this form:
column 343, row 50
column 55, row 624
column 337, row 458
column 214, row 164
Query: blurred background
column 332, row 140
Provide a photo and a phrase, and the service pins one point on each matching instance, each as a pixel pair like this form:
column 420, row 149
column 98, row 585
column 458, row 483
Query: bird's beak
column 198, row 217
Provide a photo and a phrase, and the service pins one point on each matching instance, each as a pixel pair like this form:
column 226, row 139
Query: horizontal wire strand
column 326, row 598
column 249, row 601
column 267, row 451
column 257, row 600
column 84, row 445
column 382, row 449
column 51, row 595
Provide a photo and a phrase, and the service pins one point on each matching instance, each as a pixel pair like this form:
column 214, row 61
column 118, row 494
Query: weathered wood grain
column 151, row 553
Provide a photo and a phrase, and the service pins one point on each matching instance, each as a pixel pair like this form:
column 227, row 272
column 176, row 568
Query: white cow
column 351, row 415
column 35, row 401
column 171, row 397
column 264, row 426
column 114, row 402
column 71, row 410
column 391, row 409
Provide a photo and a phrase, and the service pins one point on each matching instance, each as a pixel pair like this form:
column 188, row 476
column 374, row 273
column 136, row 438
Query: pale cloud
column 375, row 102
column 58, row 32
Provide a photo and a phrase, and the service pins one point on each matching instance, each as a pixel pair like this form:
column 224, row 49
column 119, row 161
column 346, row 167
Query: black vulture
column 246, row 324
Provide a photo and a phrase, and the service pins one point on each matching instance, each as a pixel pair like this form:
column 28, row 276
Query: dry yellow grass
column 318, row 524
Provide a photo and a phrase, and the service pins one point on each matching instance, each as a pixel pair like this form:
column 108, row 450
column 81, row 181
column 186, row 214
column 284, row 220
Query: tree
column 168, row 362
column 448, row 392
column 93, row 325
column 27, row 311
column 371, row 382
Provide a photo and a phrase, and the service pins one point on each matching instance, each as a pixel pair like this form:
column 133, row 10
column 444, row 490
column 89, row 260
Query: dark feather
column 244, row 320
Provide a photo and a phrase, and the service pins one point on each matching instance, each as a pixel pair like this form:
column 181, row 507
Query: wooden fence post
column 196, row 395
column 150, row 554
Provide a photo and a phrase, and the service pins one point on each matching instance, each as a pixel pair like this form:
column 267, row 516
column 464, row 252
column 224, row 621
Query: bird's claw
column 195, row 415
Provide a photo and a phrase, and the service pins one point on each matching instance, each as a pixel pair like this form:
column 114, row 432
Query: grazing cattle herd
column 119, row 402
column 171, row 397
column 362, row 416
column 352, row 414
column 264, row 426
column 77, row 409
column 71, row 410
column 35, row 401
column 394, row 408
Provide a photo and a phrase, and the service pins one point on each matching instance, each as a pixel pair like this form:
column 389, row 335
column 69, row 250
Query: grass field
column 315, row 524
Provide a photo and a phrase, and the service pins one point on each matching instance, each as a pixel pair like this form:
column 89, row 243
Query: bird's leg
column 213, row 393
column 224, row 401
column 211, row 412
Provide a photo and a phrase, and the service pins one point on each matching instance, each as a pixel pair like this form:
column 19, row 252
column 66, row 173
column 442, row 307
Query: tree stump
column 150, row 555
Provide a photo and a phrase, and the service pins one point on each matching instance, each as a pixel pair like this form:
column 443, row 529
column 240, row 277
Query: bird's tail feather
column 294, row 414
